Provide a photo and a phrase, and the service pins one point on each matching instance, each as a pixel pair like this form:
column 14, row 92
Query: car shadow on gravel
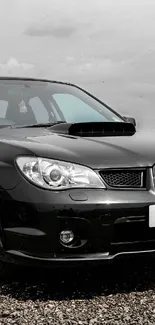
column 80, row 283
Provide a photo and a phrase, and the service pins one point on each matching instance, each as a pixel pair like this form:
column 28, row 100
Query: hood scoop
column 95, row 129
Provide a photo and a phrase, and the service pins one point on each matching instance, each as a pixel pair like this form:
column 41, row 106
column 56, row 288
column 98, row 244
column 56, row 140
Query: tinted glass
column 27, row 102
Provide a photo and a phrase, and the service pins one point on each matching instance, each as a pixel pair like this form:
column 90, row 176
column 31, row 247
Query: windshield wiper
column 39, row 125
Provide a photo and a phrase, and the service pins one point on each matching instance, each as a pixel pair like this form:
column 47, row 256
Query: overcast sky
column 105, row 46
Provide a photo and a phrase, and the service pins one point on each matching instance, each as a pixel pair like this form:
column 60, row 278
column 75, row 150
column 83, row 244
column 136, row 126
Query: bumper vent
column 125, row 178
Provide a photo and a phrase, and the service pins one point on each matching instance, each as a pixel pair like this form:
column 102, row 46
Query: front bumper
column 107, row 224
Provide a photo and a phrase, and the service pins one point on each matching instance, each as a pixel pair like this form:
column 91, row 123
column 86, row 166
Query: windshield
column 32, row 102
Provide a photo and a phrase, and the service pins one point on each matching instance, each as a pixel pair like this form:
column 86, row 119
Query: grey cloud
column 62, row 31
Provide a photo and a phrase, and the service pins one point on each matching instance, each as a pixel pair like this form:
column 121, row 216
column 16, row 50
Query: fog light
column 66, row 236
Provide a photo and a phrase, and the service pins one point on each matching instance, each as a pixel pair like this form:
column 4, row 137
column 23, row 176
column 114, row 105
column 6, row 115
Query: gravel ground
column 123, row 293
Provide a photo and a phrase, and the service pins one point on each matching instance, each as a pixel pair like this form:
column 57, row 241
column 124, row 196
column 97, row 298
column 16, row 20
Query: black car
column 77, row 181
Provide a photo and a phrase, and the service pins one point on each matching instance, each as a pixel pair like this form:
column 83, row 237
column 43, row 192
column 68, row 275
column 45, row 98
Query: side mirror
column 130, row 120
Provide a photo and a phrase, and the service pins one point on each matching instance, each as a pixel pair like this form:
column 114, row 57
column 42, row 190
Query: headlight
column 57, row 175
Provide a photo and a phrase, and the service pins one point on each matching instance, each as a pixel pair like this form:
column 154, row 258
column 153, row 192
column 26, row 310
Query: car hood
column 137, row 150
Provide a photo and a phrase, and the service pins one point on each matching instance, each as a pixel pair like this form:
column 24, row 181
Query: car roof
column 8, row 78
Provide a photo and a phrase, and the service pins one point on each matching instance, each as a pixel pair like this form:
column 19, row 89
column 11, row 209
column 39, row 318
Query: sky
column 104, row 46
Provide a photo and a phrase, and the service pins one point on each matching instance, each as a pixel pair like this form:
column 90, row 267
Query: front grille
column 124, row 178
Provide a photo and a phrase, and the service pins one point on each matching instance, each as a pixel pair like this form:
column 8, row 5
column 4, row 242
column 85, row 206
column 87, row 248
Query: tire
column 6, row 270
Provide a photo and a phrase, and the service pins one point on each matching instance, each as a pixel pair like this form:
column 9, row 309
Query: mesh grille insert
column 124, row 178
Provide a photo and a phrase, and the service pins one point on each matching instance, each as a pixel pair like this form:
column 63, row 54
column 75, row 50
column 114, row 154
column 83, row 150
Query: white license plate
column 152, row 216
